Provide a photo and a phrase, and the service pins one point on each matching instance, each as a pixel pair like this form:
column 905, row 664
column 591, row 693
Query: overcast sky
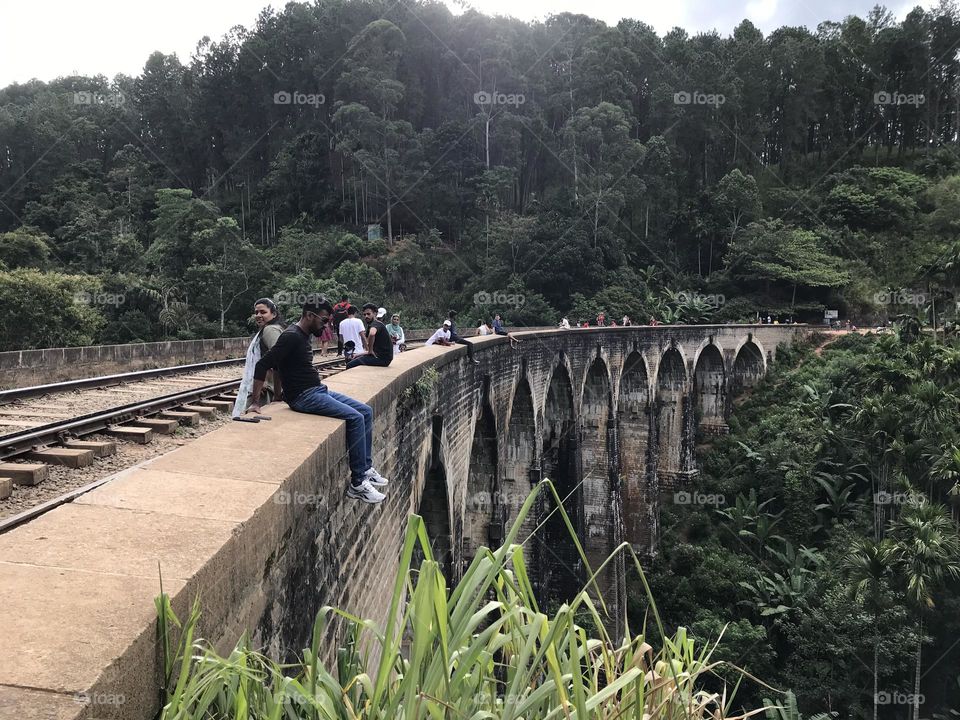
column 45, row 39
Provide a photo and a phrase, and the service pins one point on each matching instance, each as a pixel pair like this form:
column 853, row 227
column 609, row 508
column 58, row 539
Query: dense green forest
column 424, row 161
column 827, row 540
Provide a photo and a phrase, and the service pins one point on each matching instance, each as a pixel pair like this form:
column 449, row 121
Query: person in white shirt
column 441, row 336
column 565, row 324
column 353, row 329
column 485, row 328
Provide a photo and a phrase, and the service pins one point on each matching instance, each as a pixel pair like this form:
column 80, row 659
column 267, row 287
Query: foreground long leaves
column 480, row 650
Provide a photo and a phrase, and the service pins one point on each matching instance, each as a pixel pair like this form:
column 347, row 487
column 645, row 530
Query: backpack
column 339, row 314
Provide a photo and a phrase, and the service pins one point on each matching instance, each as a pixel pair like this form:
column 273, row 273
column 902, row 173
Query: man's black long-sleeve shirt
column 292, row 357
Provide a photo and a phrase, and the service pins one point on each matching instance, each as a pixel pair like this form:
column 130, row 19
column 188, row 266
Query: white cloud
column 761, row 12
column 50, row 38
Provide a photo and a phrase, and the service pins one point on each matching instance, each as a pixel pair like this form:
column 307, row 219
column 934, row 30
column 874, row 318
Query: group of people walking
column 279, row 364
column 602, row 322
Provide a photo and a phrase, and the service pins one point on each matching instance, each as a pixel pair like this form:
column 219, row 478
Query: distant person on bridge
column 379, row 344
column 292, row 356
column 397, row 335
column 498, row 325
column 326, row 336
column 485, row 328
column 441, row 336
column 601, row 319
column 457, row 340
column 339, row 315
column 267, row 318
column 565, row 324
column 353, row 331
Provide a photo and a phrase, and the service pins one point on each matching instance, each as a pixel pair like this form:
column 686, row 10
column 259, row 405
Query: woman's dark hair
column 272, row 307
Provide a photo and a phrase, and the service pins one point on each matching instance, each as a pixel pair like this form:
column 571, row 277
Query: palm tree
column 925, row 552
column 866, row 568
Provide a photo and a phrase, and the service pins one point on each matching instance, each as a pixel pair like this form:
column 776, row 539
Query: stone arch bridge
column 254, row 518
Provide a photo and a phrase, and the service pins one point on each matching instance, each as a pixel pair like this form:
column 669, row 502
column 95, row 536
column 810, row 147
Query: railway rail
column 182, row 406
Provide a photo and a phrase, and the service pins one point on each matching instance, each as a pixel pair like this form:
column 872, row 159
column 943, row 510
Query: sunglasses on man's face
column 323, row 320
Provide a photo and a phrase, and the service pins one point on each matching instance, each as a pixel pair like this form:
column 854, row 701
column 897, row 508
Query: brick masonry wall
column 22, row 368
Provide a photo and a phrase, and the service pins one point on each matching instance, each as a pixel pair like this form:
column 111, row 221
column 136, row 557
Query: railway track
column 62, row 448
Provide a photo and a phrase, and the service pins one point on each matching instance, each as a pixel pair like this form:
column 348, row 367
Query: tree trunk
column 916, row 680
column 487, row 137
column 933, row 311
column 876, row 663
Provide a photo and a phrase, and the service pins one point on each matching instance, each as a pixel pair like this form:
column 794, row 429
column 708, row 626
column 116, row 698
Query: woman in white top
column 485, row 328
column 270, row 324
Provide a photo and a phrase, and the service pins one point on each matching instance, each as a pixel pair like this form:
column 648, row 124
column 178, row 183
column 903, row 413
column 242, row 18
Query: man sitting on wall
column 292, row 356
column 379, row 343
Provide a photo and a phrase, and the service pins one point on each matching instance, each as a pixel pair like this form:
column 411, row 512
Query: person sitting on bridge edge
column 353, row 330
column 441, row 336
column 270, row 324
column 395, row 330
column 498, row 325
column 292, row 356
column 457, row 340
column 379, row 344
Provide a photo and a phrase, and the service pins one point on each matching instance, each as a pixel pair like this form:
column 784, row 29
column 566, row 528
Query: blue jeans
column 359, row 416
column 368, row 360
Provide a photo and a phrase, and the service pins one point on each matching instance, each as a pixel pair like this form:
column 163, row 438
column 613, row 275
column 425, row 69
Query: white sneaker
column 375, row 478
column 365, row 491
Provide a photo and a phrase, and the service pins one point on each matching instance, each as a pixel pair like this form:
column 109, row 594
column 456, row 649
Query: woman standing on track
column 326, row 335
column 267, row 318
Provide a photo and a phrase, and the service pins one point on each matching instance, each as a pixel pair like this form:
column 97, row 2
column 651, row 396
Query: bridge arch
column 557, row 557
column 710, row 387
column 433, row 503
column 519, row 461
column 749, row 365
column 672, row 436
column 634, row 418
column 596, row 444
column 482, row 482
